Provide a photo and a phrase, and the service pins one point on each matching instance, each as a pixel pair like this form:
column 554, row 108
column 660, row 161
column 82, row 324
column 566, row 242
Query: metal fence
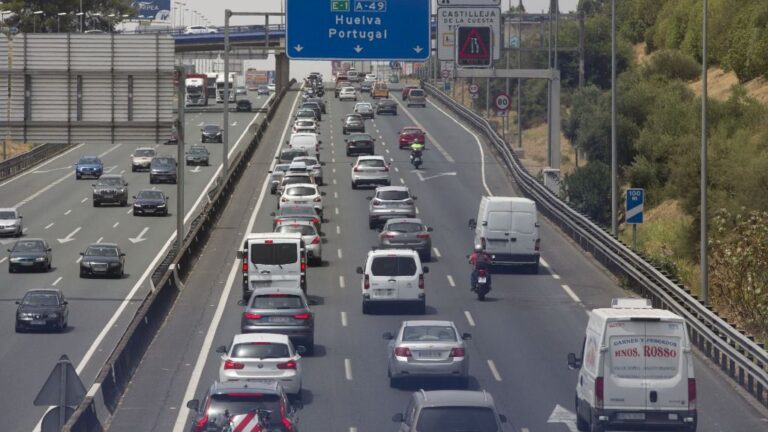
column 26, row 160
column 735, row 352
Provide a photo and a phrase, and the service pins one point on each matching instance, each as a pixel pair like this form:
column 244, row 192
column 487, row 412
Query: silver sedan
column 408, row 233
column 426, row 349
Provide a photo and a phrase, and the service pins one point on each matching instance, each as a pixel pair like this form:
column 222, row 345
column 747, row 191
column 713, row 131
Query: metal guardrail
column 26, row 160
column 168, row 279
column 736, row 353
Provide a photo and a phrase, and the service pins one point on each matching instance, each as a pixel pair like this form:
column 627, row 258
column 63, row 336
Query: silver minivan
column 417, row 96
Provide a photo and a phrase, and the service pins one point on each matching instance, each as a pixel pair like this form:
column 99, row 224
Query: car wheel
column 133, row 169
column 165, row 213
column 595, row 425
column 77, row 177
column 533, row 268
column 366, row 308
column 19, row 329
column 20, row 232
column 427, row 256
column 50, row 266
column 11, row 269
column 151, row 180
column 581, row 424
column 320, row 181
column 124, row 203
column 422, row 308
column 354, row 185
column 348, row 154
column 82, row 273
column 95, row 203
column 372, row 223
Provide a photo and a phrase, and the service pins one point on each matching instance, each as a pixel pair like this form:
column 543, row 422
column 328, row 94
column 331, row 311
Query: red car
column 406, row 89
column 410, row 134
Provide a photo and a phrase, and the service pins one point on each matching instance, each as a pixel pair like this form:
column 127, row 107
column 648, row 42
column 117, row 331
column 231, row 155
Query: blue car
column 89, row 166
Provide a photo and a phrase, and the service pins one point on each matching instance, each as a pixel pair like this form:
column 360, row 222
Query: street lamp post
column 58, row 21
column 7, row 139
column 80, row 20
column 111, row 22
column 34, row 20
column 614, row 157
column 704, row 289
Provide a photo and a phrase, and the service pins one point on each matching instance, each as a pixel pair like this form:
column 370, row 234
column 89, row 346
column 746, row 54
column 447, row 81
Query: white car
column 370, row 77
column 199, row 30
column 314, row 167
column 392, row 276
column 305, row 126
column 10, row 222
column 309, row 234
column 141, row 158
column 303, row 194
column 271, row 87
column 370, row 170
column 262, row 357
column 348, row 93
column 305, row 141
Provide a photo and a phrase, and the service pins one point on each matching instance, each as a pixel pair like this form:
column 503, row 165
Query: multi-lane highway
column 59, row 208
column 521, row 335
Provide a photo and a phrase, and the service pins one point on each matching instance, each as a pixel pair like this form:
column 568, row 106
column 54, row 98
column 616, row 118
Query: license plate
column 386, row 291
column 299, row 202
column 279, row 319
column 26, row 263
column 630, row 416
column 481, row 279
column 38, row 322
column 429, row 354
column 260, row 380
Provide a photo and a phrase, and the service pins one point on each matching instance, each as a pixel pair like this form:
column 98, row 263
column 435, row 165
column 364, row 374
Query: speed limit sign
column 474, row 89
column 502, row 102
column 446, row 73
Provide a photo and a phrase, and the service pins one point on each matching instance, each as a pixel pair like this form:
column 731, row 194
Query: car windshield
column 290, row 154
column 281, row 167
column 305, row 113
column 144, row 153
column 88, row 160
column 261, row 350
column 404, row 227
column 393, row 195
column 29, row 246
column 457, row 418
column 212, row 128
column 353, row 119
column 162, row 161
column 154, row 195
column 309, row 162
column 428, row 333
column 393, row 266
column 373, row 163
column 277, row 301
column 305, row 230
column 416, row 92
column 300, row 191
column 41, row 299
column 110, row 181
column 235, row 403
column 7, row 215
column 102, row 251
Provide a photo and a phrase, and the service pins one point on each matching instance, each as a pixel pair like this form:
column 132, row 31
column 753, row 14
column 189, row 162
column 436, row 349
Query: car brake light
column 456, row 352
column 692, row 394
column 386, row 168
column 481, row 272
column 387, row 236
column 284, row 199
column 422, row 236
column 421, row 281
column 245, row 266
column 287, row 365
column 252, row 316
column 200, row 425
column 482, row 242
column 268, row 241
column 366, row 282
column 278, row 220
column 599, row 392
column 287, row 424
column 357, row 169
column 536, row 245
column 229, row 364
column 303, row 266
column 302, row 316
column 402, row 351
column 315, row 220
column 318, row 199
column 316, row 240
column 376, row 203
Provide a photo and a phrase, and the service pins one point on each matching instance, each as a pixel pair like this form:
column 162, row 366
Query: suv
column 111, row 189
column 417, row 96
column 370, row 170
column 441, row 410
column 393, row 276
column 352, row 123
column 162, row 168
column 240, row 397
column 390, row 202
column 141, row 158
column 282, row 311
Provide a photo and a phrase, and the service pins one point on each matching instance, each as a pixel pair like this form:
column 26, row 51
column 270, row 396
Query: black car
column 229, row 399
column 150, row 201
column 360, row 143
column 29, row 254
column 112, row 189
column 319, row 101
column 243, row 105
column 211, row 133
column 386, row 106
column 352, row 123
column 298, row 212
column 198, row 155
column 314, row 107
column 42, row 308
column 102, row 259
column 162, row 169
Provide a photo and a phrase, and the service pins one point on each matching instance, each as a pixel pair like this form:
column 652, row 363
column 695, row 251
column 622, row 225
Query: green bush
column 672, row 64
column 588, row 190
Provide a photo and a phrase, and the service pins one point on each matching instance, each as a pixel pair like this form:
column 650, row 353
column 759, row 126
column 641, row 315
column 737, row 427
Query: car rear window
column 277, row 301
column 304, row 141
column 373, row 163
column 416, row 92
column 426, row 333
column 522, row 222
column 411, row 131
column 360, row 137
column 305, row 230
column 144, row 153
column 296, row 211
column 404, row 227
column 288, row 155
column 274, row 254
column 240, row 403
column 393, row 266
column 457, row 418
column 299, row 191
column 294, row 179
column 262, row 350
column 393, row 195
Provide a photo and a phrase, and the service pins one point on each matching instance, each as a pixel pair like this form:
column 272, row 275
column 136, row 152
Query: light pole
column 80, row 20
column 111, row 22
column 9, row 35
column 34, row 20
column 98, row 19
column 58, row 21
column 614, row 158
column 703, row 184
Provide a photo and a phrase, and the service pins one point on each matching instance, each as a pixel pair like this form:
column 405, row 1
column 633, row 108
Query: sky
column 214, row 11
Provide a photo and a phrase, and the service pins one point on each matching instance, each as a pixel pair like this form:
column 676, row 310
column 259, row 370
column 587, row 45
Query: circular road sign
column 502, row 102
column 474, row 88
column 446, row 73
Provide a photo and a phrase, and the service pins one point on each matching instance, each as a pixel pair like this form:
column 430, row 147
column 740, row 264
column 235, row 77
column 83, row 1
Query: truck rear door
column 665, row 366
column 624, row 367
column 498, row 232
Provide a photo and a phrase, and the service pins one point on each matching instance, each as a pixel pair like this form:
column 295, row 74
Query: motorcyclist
column 416, row 149
column 479, row 260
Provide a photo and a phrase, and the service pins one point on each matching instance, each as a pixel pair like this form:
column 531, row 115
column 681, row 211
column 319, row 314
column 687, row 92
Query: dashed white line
column 386, row 150
column 338, row 252
column 494, row 371
column 334, row 170
column 338, row 229
column 3, row 260
column 543, row 262
column 352, row 429
column 402, row 181
column 129, row 211
column 469, row 318
column 333, row 160
column 570, row 293
column 397, row 169
column 78, row 259
column 49, row 225
column 84, row 200
column 451, row 282
column 343, row 319
column 68, row 212
column 336, row 195
column 348, row 369
column 116, row 224
column 56, row 282
column 555, row 276
column 100, row 239
column 436, row 252
column 122, row 172
column 336, row 210
column 334, row 181
column 342, row 282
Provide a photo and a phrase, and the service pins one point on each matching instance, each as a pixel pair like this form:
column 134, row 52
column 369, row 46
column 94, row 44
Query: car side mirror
column 286, row 141
column 270, row 172
column 240, row 254
column 573, row 362
column 430, row 229
column 48, row 250
column 125, row 184
column 221, row 349
column 398, row 418
column 425, row 269
column 277, row 158
column 472, row 224
column 388, row 336
column 272, row 214
column 122, row 254
column 374, row 140
column 21, row 217
column 93, row 184
column 466, row 336
column 503, row 418
column 301, row 349
column 359, row 270
column 369, row 198
column 241, row 302
column 414, row 198
column 193, row 404
column 81, row 253
column 134, row 197
column 18, row 302
column 322, row 163
column 322, row 193
column 536, row 224
column 379, row 229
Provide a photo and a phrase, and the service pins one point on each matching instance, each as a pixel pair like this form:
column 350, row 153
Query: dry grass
column 719, row 83
column 16, row 148
column 639, row 52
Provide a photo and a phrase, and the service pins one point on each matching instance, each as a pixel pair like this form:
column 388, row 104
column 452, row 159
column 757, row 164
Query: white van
column 306, row 141
column 273, row 260
column 635, row 370
column 508, row 230
column 393, row 276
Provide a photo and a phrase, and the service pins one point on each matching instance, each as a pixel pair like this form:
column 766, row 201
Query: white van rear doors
column 275, row 263
column 666, row 373
column 498, row 232
column 624, row 366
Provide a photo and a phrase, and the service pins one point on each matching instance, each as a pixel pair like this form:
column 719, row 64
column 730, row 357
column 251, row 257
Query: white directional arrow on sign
column 422, row 178
column 139, row 238
column 358, row 48
column 298, row 48
column 562, row 415
column 71, row 236
column 418, row 49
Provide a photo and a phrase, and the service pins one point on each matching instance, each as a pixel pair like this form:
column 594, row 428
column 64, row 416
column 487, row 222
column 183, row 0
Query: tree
column 588, row 190
column 23, row 17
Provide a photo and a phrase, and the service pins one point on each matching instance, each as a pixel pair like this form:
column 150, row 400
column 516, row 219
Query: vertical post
column 634, row 236
column 10, row 93
column 519, row 81
column 505, row 37
column 557, row 29
column 581, row 50
column 614, row 158
column 180, row 93
column 225, row 127
column 488, row 98
column 554, row 126
column 81, row 17
column 703, row 184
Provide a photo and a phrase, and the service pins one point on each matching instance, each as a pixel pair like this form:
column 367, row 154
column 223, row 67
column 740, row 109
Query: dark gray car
column 287, row 154
column 111, row 189
column 102, row 259
column 42, row 308
column 320, row 101
column 314, row 106
column 211, row 133
column 282, row 311
column 150, row 201
column 32, row 254
column 410, row 233
column 198, row 155
column 162, row 169
column 352, row 123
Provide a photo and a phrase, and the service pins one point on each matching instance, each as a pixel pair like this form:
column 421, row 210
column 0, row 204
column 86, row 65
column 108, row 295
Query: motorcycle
column 483, row 285
column 416, row 160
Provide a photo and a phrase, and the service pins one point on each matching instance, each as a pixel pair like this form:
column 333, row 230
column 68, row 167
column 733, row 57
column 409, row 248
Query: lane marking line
column 437, row 252
column 494, row 371
column 84, row 200
column 336, row 210
column 67, row 212
column 336, row 195
column 338, row 229
column 338, row 252
column 555, row 276
column 469, row 318
column 78, row 259
column 3, row 260
column 342, row 284
column 56, row 282
column 397, row 169
column 451, row 282
column 100, row 239
column 402, row 181
column 543, row 262
column 49, row 225
column 348, row 369
column 570, row 293
column 116, row 224
column 343, row 319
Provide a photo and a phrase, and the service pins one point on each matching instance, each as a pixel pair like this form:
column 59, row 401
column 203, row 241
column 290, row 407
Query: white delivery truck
column 635, row 370
column 508, row 230
column 273, row 260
